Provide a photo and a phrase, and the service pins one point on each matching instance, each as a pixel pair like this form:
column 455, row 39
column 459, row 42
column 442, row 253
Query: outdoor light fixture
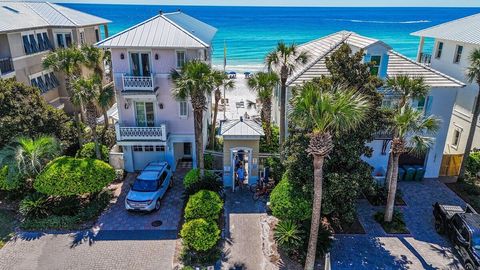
column 122, row 56
column 160, row 105
column 156, row 56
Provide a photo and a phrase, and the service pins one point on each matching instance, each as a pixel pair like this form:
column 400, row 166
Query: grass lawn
column 7, row 225
column 397, row 226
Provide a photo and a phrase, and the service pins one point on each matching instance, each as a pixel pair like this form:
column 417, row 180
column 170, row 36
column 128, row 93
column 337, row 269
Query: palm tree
column 67, row 61
column 406, row 88
column 221, row 79
column 412, row 133
column 93, row 59
column 263, row 83
column 87, row 91
column 326, row 111
column 104, row 101
column 195, row 81
column 473, row 75
column 30, row 156
column 284, row 59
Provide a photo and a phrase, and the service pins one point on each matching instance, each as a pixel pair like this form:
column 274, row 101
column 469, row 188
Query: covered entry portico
column 241, row 144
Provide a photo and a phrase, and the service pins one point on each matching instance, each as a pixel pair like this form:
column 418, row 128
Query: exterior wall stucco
column 227, row 162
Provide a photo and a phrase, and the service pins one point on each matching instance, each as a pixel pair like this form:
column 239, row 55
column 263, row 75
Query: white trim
column 41, row 73
column 29, row 55
column 184, row 58
column 62, row 32
column 460, row 131
column 180, row 109
column 150, row 52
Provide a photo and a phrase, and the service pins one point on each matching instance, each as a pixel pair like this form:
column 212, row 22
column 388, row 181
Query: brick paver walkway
column 422, row 249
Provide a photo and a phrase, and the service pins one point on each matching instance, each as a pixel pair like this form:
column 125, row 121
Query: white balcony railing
column 141, row 133
column 137, row 83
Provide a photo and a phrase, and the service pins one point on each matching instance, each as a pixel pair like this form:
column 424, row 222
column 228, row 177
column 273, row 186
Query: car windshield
column 144, row 186
column 476, row 242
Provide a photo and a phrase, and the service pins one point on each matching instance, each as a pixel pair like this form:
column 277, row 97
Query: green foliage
column 340, row 195
column 209, row 161
column 66, row 176
column 193, row 176
column 287, row 202
column 209, row 182
column 200, row 234
column 200, row 258
column 273, row 145
column 88, row 151
column 276, row 168
column 88, row 212
column 34, row 206
column 24, row 112
column 204, row 204
column 288, row 235
column 397, row 225
column 10, row 179
column 473, row 163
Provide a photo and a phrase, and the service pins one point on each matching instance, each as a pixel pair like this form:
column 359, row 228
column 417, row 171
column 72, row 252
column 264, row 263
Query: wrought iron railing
column 141, row 133
column 6, row 65
column 137, row 83
column 426, row 58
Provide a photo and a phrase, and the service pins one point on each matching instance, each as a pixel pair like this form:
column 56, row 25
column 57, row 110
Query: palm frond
column 473, row 71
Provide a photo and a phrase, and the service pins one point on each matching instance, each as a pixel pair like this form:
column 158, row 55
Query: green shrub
column 473, row 163
column 200, row 234
column 10, row 179
column 288, row 235
column 397, row 225
column 209, row 182
column 287, row 202
column 203, row 204
column 34, row 205
column 88, row 151
column 209, row 161
column 66, row 176
column 62, row 206
column 193, row 176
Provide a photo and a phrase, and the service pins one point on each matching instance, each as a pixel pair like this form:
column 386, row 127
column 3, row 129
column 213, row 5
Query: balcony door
column 140, row 64
column 144, row 114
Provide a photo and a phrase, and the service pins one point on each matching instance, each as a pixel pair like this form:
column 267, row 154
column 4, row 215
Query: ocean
column 251, row 32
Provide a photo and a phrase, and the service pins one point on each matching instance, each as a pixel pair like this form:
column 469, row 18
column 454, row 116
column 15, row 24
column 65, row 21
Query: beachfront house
column 30, row 30
column 152, row 125
column 453, row 43
column 386, row 63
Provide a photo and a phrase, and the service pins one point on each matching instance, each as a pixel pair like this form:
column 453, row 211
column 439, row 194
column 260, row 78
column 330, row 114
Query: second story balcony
column 129, row 133
column 425, row 58
column 138, row 83
column 6, row 66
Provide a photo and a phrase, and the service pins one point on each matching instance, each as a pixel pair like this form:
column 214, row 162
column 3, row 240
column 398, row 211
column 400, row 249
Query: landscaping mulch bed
column 467, row 193
column 376, row 201
column 337, row 227
column 397, row 226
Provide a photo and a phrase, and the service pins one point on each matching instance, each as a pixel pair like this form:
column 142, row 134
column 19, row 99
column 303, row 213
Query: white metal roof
column 398, row 64
column 241, row 127
column 16, row 16
column 466, row 30
column 170, row 30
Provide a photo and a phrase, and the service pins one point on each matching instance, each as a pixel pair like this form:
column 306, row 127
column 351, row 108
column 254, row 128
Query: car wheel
column 439, row 226
column 469, row 266
column 157, row 205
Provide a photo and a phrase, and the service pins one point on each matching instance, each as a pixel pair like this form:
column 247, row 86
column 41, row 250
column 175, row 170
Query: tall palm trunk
column 218, row 96
column 106, row 124
column 198, row 104
column 388, row 176
column 392, row 188
column 92, row 123
column 266, row 115
column 68, row 87
column 283, row 105
column 316, row 211
column 471, row 135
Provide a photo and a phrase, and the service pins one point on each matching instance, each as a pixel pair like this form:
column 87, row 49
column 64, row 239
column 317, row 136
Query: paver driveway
column 422, row 249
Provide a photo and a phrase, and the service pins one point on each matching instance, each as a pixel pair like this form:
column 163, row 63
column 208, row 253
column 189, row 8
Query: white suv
column 149, row 187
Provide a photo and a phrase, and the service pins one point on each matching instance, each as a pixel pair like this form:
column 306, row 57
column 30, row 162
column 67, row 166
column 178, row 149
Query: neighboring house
column 387, row 63
column 30, row 30
column 152, row 125
column 453, row 43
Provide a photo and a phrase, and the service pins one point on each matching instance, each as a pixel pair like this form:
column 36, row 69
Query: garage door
column 144, row 154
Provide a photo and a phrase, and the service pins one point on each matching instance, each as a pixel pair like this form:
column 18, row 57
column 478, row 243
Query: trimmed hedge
column 88, row 151
column 289, row 203
column 67, row 176
column 9, row 179
column 473, row 163
column 200, row 234
column 193, row 176
column 204, row 204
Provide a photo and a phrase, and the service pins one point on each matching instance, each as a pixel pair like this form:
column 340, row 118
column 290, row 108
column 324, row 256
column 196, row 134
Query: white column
column 420, row 49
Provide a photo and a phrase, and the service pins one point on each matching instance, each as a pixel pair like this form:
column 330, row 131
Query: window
column 458, row 54
column 421, row 104
column 456, row 137
column 438, row 54
column 82, row 37
column 181, row 59
column 140, row 64
column 64, row 40
column 45, row 81
column 148, row 148
column 138, row 148
column 162, row 178
column 160, row 148
column 183, row 111
column 97, row 35
column 187, row 149
column 35, row 42
column 375, row 68
column 144, row 114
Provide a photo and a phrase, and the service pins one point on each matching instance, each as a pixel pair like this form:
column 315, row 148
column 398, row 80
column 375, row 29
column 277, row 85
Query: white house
column 453, row 43
column 152, row 124
column 387, row 63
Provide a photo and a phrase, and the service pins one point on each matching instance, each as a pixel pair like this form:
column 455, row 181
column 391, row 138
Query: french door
column 140, row 64
column 144, row 114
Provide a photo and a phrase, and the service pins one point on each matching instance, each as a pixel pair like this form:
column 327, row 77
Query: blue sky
column 336, row 3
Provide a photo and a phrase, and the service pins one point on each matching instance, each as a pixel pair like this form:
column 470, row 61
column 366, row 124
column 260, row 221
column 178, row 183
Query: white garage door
column 144, row 154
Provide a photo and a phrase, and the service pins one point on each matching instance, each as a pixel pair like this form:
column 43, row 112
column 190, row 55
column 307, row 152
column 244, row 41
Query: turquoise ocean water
column 250, row 32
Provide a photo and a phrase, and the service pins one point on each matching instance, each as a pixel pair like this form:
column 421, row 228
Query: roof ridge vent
column 11, row 9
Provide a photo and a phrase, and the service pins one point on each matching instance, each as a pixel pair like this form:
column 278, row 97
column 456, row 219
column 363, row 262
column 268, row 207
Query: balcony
column 141, row 133
column 6, row 66
column 425, row 58
column 137, row 83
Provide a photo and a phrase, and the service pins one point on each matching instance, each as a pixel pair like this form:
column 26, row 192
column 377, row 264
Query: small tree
column 221, row 80
column 327, row 112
